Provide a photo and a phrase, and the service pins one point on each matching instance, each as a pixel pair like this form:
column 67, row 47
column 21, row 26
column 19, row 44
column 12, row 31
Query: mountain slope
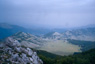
column 53, row 35
column 7, row 30
column 11, row 52
column 28, row 40
column 87, row 57
column 85, row 45
column 86, row 34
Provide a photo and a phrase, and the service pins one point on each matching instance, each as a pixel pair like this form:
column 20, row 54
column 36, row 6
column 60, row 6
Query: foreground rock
column 11, row 52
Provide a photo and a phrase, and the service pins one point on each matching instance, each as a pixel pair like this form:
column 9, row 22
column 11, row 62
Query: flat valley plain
column 60, row 47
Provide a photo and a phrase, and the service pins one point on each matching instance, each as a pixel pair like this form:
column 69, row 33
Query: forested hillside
column 87, row 57
column 85, row 45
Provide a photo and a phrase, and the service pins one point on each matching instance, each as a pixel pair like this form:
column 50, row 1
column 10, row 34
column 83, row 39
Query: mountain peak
column 56, row 33
column 20, row 33
column 23, row 35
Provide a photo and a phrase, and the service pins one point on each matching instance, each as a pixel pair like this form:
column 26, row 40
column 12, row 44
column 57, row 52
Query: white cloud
column 54, row 13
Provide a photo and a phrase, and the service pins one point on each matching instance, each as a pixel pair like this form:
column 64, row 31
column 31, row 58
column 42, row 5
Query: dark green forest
column 87, row 57
column 85, row 45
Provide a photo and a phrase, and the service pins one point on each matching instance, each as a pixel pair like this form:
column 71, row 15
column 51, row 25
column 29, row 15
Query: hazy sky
column 48, row 13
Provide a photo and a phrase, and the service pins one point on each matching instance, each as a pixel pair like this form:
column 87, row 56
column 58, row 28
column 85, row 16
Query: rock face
column 11, row 52
column 28, row 40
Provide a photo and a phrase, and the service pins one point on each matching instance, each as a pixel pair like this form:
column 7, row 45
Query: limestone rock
column 11, row 52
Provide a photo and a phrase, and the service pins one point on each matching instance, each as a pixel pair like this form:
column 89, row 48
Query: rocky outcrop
column 11, row 52
column 28, row 40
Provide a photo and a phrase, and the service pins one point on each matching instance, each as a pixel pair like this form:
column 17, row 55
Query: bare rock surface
column 11, row 52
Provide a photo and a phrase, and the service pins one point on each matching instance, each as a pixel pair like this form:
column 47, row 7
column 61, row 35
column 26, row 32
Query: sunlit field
column 60, row 47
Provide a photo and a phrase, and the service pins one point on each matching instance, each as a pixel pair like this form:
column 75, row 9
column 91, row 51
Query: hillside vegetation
column 87, row 57
column 85, row 45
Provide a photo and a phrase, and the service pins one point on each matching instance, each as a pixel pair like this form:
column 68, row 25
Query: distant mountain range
column 86, row 34
column 8, row 30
